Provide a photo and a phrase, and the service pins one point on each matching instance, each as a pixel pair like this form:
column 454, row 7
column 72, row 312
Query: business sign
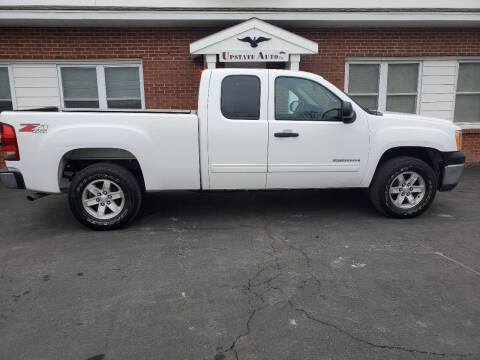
column 253, row 56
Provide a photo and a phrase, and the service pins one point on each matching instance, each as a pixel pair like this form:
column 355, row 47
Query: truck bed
column 165, row 144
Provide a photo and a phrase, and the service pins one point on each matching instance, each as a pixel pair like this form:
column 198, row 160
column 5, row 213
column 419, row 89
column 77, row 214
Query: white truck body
column 210, row 152
column 284, row 146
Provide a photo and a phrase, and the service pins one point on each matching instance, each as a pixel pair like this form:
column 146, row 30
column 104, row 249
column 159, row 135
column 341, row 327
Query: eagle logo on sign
column 255, row 41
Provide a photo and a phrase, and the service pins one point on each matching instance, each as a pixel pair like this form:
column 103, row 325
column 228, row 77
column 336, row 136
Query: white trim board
column 189, row 18
column 238, row 4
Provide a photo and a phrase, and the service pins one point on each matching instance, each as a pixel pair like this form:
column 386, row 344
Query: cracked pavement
column 243, row 275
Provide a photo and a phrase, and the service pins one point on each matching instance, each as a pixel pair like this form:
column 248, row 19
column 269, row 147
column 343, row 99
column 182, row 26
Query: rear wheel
column 105, row 196
column 403, row 187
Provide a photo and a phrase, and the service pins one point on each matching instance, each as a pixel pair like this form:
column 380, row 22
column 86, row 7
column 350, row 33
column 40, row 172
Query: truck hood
column 412, row 119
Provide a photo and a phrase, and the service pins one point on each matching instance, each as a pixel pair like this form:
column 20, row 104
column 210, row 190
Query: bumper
column 12, row 178
column 453, row 165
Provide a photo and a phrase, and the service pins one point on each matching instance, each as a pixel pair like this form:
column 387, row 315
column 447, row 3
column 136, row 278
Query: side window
column 363, row 84
column 115, row 87
column 240, row 99
column 80, row 88
column 5, row 96
column 303, row 99
column 467, row 103
column 123, row 87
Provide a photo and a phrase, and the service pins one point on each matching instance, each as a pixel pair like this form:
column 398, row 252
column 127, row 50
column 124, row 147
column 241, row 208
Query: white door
column 238, row 129
column 309, row 145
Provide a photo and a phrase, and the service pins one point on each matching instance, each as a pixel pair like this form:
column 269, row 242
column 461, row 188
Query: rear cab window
column 240, row 97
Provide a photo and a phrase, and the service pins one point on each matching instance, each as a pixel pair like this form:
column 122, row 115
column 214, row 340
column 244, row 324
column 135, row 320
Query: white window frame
column 101, row 84
column 383, row 79
column 464, row 125
column 13, row 97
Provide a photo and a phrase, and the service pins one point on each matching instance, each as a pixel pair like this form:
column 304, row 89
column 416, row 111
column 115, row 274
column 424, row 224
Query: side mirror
column 348, row 114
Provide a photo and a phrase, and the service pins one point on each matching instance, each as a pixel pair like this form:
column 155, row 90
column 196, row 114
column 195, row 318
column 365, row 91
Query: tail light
column 8, row 143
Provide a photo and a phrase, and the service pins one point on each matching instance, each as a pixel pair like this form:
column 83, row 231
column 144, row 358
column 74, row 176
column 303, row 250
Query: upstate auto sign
column 253, row 56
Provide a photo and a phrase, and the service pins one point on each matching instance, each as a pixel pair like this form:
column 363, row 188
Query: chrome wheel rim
column 103, row 199
column 407, row 190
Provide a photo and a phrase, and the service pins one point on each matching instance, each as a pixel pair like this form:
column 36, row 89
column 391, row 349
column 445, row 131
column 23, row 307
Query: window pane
column 402, row 103
column 363, row 79
column 303, row 99
column 4, row 84
column 79, row 84
column 370, row 102
column 122, row 83
column 241, row 97
column 469, row 77
column 467, row 108
column 73, row 104
column 124, row 104
column 5, row 105
column 402, row 78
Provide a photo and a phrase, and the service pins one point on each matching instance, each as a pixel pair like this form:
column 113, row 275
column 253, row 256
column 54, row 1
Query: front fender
column 396, row 137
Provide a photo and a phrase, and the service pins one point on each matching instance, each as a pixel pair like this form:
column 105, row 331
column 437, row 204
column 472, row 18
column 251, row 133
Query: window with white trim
column 384, row 86
column 5, row 93
column 101, row 87
column 467, row 99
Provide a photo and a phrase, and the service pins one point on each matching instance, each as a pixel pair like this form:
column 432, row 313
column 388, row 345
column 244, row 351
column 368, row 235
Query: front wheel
column 104, row 196
column 403, row 187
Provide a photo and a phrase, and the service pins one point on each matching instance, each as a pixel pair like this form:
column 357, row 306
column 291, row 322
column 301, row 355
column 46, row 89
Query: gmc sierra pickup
column 255, row 129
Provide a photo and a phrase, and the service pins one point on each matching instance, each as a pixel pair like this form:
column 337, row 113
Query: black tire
column 120, row 176
column 386, row 175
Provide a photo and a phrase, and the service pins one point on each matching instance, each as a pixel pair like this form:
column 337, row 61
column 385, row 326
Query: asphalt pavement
column 312, row 274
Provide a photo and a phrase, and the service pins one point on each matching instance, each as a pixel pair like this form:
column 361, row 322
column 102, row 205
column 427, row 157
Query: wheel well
column 431, row 156
column 78, row 159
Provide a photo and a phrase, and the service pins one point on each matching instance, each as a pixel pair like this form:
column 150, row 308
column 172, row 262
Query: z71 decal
column 34, row 128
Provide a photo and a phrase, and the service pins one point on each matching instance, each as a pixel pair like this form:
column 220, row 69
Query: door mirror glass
column 348, row 114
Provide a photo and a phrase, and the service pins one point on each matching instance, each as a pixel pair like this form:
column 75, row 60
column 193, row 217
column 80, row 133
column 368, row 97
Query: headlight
column 458, row 138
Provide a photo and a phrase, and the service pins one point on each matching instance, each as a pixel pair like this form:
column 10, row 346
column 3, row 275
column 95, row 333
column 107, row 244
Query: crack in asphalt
column 367, row 342
column 278, row 245
column 274, row 264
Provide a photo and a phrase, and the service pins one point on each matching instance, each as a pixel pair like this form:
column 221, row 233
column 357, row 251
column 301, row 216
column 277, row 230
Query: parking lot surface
column 243, row 275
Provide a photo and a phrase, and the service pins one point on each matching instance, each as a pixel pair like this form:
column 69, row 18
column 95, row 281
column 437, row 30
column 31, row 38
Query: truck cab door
column 309, row 144
column 237, row 129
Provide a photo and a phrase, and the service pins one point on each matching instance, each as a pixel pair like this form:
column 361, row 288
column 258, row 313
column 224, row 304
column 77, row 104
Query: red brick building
column 416, row 60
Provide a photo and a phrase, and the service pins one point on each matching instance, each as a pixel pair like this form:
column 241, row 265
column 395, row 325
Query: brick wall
column 335, row 45
column 171, row 75
column 471, row 146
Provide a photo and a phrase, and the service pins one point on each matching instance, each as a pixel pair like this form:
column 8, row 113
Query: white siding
column 36, row 85
column 438, row 88
column 302, row 4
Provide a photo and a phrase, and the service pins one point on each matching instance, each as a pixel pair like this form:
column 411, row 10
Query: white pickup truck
column 255, row 129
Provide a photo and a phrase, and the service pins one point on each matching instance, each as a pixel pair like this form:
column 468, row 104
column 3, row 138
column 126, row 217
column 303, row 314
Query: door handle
column 285, row 134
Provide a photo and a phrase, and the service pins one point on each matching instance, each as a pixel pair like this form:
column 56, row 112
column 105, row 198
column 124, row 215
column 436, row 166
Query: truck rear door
column 237, row 129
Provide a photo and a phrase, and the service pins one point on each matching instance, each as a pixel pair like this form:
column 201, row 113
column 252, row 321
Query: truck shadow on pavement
column 198, row 205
